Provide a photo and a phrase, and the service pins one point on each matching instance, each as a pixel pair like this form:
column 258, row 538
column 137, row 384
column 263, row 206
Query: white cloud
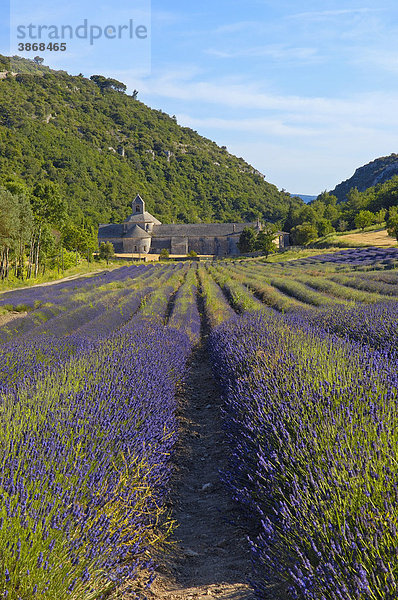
column 165, row 18
column 277, row 52
column 241, row 95
column 376, row 58
column 326, row 14
column 238, row 27
column 260, row 126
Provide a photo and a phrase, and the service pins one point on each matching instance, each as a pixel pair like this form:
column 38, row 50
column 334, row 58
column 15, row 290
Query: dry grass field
column 370, row 238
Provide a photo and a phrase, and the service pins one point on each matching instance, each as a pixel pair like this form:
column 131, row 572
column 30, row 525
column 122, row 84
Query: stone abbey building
column 143, row 233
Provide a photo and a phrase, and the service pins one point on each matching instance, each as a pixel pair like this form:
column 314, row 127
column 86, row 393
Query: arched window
column 135, row 248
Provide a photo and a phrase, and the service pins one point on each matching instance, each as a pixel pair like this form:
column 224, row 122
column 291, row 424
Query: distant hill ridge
column 102, row 147
column 377, row 171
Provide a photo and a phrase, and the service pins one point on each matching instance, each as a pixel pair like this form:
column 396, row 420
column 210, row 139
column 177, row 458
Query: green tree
column 47, row 203
column 355, row 203
column 308, row 215
column 332, row 212
column 49, row 208
column 25, row 228
column 247, row 240
column 265, row 241
column 291, row 218
column 392, row 222
column 9, row 226
column 380, row 216
column 304, row 234
column 106, row 251
column 78, row 238
column 325, row 227
column 107, row 83
column 50, row 247
column 164, row 254
column 327, row 199
column 363, row 219
column 342, row 225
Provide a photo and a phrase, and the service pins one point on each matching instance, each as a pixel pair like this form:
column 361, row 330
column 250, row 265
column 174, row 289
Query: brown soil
column 211, row 557
column 10, row 316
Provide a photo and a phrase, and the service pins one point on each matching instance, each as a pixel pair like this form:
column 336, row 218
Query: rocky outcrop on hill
column 378, row 171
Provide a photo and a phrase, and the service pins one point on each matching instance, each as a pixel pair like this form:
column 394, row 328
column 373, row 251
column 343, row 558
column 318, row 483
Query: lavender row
column 85, row 461
column 374, row 324
column 185, row 314
column 79, row 307
column 311, row 421
column 387, row 287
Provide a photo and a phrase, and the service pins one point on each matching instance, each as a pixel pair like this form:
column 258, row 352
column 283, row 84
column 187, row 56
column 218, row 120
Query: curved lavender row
column 55, row 292
column 216, row 308
column 63, row 298
column 108, row 321
column 85, row 460
column 57, row 320
column 238, row 294
column 109, row 307
column 362, row 282
column 25, row 324
column 375, row 324
column 35, row 349
column 356, row 256
column 83, row 316
column 24, row 360
column 311, row 420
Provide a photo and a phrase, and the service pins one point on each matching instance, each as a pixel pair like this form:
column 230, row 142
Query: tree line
column 35, row 231
column 325, row 215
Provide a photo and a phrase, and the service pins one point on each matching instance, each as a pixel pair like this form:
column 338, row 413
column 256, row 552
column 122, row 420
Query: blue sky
column 305, row 91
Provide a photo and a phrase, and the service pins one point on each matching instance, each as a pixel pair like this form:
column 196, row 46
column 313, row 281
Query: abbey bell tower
column 138, row 205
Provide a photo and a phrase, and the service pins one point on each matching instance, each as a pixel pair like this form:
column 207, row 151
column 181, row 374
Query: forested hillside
column 100, row 147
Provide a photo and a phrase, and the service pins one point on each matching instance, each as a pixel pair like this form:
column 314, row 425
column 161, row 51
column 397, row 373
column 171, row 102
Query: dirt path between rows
column 211, row 558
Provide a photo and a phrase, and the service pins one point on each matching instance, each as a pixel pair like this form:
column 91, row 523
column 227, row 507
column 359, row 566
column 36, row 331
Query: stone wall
column 137, row 245
column 179, row 245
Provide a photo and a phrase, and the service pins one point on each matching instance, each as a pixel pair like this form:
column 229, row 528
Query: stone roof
column 145, row 217
column 200, row 229
column 110, row 231
column 136, row 232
